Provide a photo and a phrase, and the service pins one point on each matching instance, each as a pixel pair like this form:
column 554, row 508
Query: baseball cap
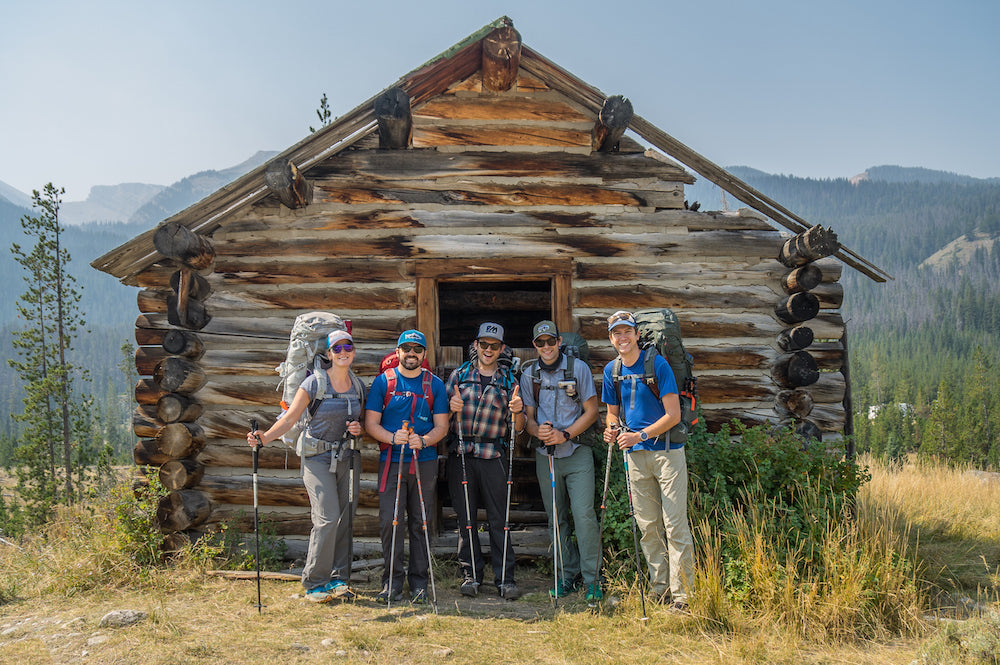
column 413, row 337
column 621, row 318
column 338, row 336
column 544, row 328
column 491, row 330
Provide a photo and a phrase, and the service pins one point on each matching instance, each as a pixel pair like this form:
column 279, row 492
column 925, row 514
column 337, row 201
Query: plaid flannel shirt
column 485, row 414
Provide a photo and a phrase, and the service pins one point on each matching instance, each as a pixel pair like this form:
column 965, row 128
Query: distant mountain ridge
column 108, row 203
column 917, row 174
column 192, row 189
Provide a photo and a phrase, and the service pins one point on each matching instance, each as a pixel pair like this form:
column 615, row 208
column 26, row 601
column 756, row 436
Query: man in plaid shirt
column 483, row 398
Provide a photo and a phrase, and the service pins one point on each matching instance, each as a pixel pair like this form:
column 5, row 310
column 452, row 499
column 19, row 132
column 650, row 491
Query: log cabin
column 488, row 184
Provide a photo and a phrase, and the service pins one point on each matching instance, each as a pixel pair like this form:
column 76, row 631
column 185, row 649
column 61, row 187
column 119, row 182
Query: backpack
column 573, row 346
column 660, row 334
column 305, row 356
column 427, row 380
column 506, row 367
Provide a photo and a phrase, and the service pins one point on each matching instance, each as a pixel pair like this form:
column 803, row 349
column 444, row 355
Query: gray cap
column 491, row 330
column 544, row 328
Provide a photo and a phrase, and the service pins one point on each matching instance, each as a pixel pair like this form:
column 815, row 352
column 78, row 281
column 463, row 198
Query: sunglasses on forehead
column 621, row 316
column 343, row 346
column 492, row 346
column 551, row 341
column 411, row 348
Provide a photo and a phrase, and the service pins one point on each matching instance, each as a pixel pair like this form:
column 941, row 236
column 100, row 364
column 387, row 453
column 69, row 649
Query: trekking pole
column 555, row 534
column 427, row 537
column 468, row 509
column 635, row 535
column 600, row 528
column 256, row 521
column 510, row 472
column 395, row 516
column 350, row 499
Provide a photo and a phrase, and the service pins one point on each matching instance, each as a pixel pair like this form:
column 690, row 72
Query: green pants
column 574, row 478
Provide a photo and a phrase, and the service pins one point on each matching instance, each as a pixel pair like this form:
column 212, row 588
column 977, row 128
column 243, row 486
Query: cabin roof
column 430, row 79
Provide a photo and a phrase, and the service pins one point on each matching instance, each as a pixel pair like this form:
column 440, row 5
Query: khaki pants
column 659, row 496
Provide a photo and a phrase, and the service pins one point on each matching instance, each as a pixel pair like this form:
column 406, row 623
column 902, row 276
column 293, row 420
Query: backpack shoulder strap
column 427, row 383
column 390, row 386
column 616, row 379
column 530, row 368
column 649, row 371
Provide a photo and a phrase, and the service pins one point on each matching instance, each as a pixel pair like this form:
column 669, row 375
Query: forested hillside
column 927, row 342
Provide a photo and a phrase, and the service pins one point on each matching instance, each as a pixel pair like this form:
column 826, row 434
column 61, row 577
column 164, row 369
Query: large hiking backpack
column 660, row 334
column 574, row 347
column 305, row 356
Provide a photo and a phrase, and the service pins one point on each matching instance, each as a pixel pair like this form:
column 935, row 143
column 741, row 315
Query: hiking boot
column 563, row 589
column 338, row 589
column 419, row 597
column 594, row 593
column 509, row 591
column 470, row 587
column 318, row 594
column 383, row 595
column 679, row 607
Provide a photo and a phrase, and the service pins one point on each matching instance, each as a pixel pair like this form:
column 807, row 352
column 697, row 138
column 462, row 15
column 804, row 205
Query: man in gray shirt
column 561, row 403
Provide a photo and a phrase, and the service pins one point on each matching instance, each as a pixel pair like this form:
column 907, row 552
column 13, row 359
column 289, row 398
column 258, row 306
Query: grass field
column 943, row 522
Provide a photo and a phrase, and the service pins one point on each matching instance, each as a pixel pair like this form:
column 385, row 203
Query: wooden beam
column 395, row 120
column 811, row 245
column 611, row 123
column 501, row 58
column 187, row 247
column 286, row 182
column 427, row 315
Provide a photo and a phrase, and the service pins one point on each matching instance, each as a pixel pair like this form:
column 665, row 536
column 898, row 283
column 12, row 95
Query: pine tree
column 48, row 452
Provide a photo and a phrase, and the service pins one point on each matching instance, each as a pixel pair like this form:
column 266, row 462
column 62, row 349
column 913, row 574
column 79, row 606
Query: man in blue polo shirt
column 639, row 422
column 409, row 394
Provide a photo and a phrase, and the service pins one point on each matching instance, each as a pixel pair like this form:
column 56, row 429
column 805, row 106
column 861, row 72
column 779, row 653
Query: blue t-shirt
column 639, row 406
column 411, row 407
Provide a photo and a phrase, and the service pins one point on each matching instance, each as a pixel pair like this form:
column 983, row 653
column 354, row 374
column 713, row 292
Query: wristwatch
column 566, row 435
column 643, row 436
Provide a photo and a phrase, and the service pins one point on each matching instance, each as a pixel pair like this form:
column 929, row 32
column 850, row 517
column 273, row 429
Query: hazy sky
column 105, row 92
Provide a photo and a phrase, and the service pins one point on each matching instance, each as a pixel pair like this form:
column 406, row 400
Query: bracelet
column 423, row 441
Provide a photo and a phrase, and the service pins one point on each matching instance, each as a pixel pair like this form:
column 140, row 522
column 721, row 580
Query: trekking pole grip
column 256, row 449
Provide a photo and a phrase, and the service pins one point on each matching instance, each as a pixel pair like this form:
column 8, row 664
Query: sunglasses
column 492, row 346
column 551, row 341
column 621, row 316
column 411, row 348
column 346, row 346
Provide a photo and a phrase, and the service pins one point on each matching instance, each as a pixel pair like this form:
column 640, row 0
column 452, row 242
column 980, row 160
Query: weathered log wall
column 496, row 186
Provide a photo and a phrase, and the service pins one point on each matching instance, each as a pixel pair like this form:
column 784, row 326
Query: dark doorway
column 517, row 306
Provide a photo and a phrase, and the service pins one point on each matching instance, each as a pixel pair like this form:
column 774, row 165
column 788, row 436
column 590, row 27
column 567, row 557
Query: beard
column 410, row 362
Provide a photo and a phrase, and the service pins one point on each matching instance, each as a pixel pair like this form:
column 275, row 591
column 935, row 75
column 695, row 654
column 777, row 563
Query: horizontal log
column 178, row 440
column 144, row 421
column 553, row 109
column 828, row 420
column 182, row 509
column 554, row 167
column 275, row 455
column 795, row 370
column 341, row 297
column 238, row 490
column 815, row 243
column 173, row 374
column 698, row 324
column 526, row 194
column 173, row 407
column 182, row 343
column 395, row 121
column 803, row 278
column 174, row 241
column 520, row 244
column 797, row 308
column 795, row 339
column 181, row 473
column 501, row 59
column 611, row 123
column 793, row 403
column 147, row 453
column 729, row 296
column 196, row 286
column 242, row 331
column 286, row 523
column 286, row 182
column 522, row 134
column 191, row 314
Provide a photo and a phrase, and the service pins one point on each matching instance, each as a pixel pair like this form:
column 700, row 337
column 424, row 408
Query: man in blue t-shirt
column 639, row 423
column 407, row 413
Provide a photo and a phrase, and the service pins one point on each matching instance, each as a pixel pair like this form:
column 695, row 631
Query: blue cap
column 413, row 337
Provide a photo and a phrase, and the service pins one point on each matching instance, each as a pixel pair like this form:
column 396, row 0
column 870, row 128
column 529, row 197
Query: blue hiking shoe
column 594, row 594
column 338, row 589
column 319, row 594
